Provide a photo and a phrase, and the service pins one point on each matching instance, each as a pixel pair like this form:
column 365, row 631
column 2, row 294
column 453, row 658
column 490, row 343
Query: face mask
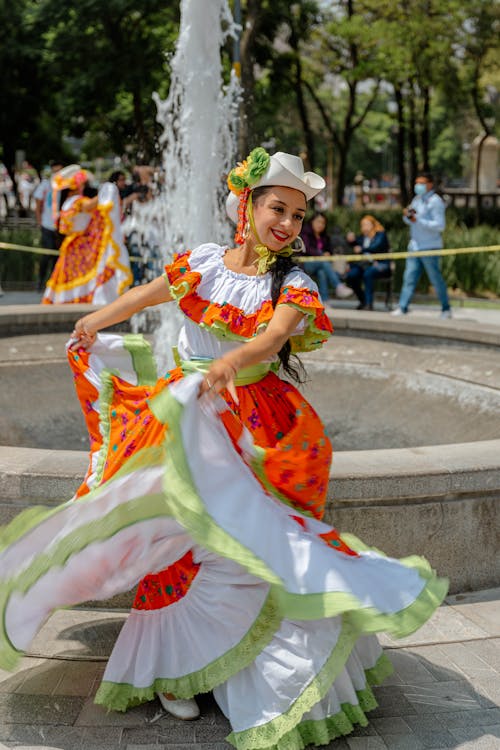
column 420, row 188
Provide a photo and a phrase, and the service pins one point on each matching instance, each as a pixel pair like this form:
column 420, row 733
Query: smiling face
column 278, row 216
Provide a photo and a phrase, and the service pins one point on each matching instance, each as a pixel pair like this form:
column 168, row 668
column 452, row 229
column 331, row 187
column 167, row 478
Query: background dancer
column 93, row 264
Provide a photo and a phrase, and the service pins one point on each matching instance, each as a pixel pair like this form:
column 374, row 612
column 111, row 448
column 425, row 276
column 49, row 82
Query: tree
column 344, row 55
column 420, row 35
column 479, row 46
column 106, row 59
column 271, row 67
column 20, row 82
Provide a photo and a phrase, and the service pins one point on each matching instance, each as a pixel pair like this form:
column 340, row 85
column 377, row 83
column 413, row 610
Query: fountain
column 198, row 142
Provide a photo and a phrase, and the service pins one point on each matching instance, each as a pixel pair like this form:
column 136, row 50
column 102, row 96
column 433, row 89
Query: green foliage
column 19, row 268
column 311, row 70
column 420, row 47
column 83, row 69
column 475, row 274
column 22, row 125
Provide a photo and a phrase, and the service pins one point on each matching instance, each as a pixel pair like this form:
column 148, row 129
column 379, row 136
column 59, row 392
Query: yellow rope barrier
column 41, row 250
column 307, row 258
column 27, row 249
column 396, row 256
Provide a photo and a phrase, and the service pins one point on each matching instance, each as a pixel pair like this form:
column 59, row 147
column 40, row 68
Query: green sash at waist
column 246, row 376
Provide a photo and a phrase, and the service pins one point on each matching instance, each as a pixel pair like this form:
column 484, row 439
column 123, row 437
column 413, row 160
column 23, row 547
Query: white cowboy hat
column 286, row 170
column 66, row 173
column 63, row 178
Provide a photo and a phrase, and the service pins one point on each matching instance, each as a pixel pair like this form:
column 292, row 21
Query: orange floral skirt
column 295, row 458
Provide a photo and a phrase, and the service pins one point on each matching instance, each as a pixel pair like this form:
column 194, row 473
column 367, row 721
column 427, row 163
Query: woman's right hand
column 82, row 336
column 220, row 375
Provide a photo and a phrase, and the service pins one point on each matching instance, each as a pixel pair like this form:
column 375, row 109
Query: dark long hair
column 290, row 363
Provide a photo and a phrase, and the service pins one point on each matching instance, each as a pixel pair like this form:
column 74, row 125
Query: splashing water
column 198, row 141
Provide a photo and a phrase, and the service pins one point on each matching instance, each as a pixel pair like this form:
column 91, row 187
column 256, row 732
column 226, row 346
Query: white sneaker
column 182, row 708
column 343, row 291
column 445, row 314
column 398, row 311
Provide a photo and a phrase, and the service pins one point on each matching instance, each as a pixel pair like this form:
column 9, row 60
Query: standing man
column 45, row 218
column 426, row 218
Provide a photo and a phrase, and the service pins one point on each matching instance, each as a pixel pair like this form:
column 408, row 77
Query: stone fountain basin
column 415, row 429
column 376, row 395
column 369, row 395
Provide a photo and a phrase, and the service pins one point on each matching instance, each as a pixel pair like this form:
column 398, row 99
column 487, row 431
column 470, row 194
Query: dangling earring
column 246, row 230
column 298, row 245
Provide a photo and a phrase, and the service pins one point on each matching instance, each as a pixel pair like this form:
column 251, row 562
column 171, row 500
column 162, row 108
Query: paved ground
column 445, row 692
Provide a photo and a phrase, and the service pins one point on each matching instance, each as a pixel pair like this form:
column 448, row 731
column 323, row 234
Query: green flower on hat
column 249, row 172
column 258, row 162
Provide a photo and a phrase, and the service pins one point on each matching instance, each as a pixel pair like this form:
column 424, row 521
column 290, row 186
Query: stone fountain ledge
column 415, row 328
column 17, row 320
column 442, row 502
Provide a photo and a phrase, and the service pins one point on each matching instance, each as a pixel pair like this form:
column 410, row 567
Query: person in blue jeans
column 426, row 218
column 317, row 242
column 362, row 276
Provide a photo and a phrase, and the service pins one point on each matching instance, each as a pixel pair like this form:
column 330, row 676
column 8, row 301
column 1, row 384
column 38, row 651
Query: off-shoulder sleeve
column 315, row 328
column 209, row 295
column 179, row 276
column 235, row 306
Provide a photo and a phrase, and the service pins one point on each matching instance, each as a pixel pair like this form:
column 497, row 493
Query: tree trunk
column 425, row 137
column 477, row 176
column 340, row 172
column 301, row 104
column 250, row 30
column 401, row 142
column 480, row 115
column 412, row 136
column 345, row 141
column 330, row 177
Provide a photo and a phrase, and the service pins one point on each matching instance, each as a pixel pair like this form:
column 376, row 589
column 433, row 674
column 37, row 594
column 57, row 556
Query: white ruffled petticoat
column 275, row 622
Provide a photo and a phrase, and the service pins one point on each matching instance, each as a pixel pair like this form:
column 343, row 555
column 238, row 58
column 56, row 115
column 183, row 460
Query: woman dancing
column 209, row 484
column 93, row 264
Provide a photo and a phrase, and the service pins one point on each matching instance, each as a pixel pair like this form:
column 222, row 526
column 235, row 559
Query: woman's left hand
column 81, row 336
column 220, row 375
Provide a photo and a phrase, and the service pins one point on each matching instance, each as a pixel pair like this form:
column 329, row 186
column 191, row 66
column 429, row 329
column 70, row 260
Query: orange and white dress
column 93, row 264
column 215, row 509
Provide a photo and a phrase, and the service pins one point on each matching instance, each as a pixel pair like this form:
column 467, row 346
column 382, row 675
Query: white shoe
column 398, row 311
column 181, row 708
column 343, row 291
column 445, row 314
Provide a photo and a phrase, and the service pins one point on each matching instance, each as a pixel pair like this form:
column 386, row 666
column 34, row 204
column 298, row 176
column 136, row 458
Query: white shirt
column 43, row 193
